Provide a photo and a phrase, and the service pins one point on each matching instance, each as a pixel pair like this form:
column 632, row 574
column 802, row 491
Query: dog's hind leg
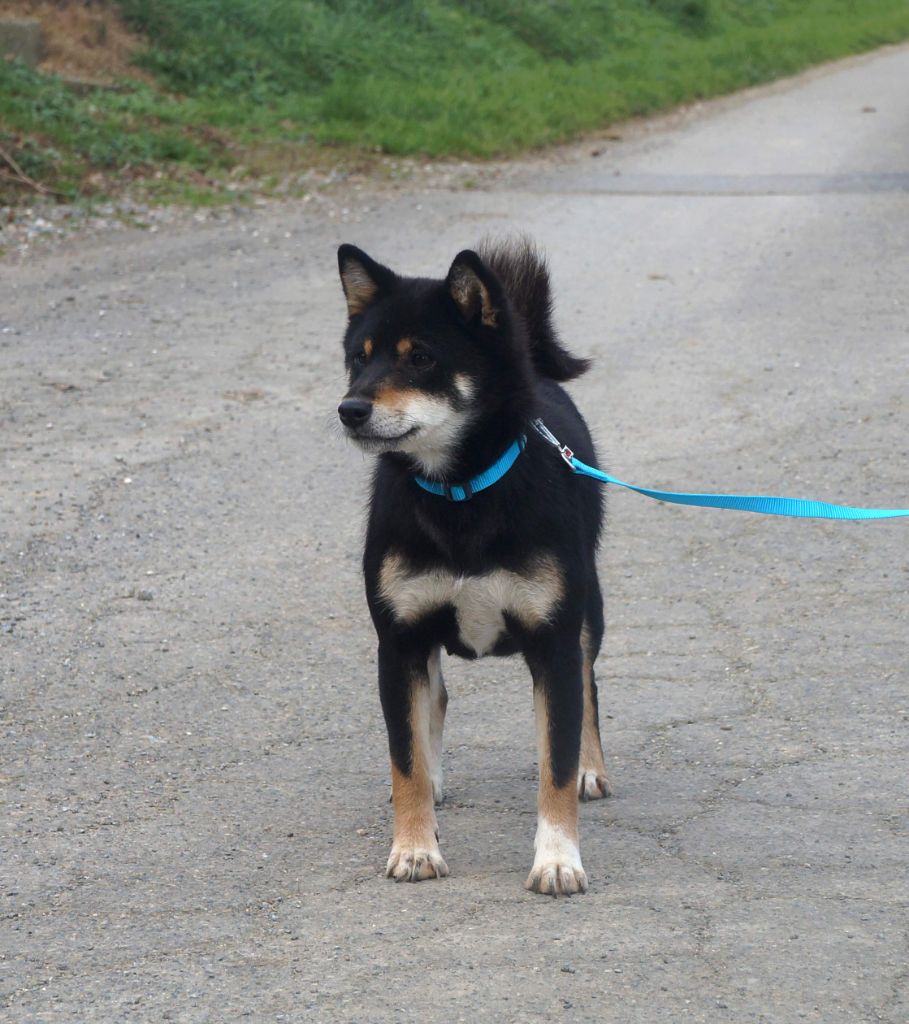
column 438, row 703
column 593, row 783
column 558, row 707
column 406, row 692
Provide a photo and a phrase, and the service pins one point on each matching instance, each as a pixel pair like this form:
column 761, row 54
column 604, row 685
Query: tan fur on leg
column 415, row 851
column 593, row 783
column 557, row 867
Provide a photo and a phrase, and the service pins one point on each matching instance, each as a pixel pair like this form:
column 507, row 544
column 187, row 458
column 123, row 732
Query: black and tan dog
column 480, row 539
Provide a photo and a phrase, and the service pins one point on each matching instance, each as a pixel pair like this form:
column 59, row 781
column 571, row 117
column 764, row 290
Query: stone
column 22, row 38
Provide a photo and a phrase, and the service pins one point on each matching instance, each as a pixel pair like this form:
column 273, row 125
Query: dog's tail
column 522, row 269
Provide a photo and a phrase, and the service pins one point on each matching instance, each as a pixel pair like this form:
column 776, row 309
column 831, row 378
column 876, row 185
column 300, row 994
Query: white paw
column 557, row 868
column 556, row 879
column 593, row 786
column 415, row 863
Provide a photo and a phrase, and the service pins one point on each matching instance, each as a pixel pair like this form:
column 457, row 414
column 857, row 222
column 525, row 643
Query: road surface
column 194, row 761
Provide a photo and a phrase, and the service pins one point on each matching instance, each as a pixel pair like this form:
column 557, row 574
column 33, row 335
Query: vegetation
column 63, row 140
column 443, row 77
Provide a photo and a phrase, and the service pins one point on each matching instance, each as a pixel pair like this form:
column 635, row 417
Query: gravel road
column 195, row 769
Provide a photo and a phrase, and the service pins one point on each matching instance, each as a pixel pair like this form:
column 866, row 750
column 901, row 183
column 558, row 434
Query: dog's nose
column 354, row 412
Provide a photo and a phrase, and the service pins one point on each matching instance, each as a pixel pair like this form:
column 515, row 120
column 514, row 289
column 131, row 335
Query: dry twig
column 21, row 177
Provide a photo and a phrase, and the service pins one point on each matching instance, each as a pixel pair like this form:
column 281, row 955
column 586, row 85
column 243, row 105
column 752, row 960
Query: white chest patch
column 479, row 602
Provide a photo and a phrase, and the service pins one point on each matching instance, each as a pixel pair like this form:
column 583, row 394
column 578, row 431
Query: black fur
column 522, row 270
column 489, row 320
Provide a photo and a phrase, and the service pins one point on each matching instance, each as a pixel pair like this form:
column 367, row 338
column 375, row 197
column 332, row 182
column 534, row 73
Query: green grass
column 67, row 141
column 445, row 77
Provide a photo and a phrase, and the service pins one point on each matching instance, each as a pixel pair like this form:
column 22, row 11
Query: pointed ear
column 361, row 278
column 475, row 290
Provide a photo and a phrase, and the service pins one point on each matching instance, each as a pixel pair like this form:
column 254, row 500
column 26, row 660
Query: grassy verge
column 74, row 144
column 445, row 77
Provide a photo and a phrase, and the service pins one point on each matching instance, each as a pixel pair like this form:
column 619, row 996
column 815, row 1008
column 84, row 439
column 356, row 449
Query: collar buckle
column 465, row 487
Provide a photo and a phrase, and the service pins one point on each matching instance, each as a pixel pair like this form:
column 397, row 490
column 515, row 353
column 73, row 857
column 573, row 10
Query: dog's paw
column 557, row 868
column 593, row 785
column 415, row 863
column 557, row 878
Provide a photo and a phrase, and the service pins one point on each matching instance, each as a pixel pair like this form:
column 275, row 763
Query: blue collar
column 465, row 491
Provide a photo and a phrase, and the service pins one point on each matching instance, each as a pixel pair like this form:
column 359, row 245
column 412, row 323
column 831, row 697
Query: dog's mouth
column 379, row 442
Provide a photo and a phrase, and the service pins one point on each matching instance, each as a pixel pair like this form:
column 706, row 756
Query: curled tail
column 522, row 269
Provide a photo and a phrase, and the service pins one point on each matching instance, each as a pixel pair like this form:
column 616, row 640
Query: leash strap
column 802, row 508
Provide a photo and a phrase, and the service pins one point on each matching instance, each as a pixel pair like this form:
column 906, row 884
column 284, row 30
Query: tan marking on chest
column 480, row 602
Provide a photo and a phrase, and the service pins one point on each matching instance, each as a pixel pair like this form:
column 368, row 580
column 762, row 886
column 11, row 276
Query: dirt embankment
column 84, row 41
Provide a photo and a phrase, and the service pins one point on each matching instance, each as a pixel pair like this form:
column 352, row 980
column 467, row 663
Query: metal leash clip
column 567, row 454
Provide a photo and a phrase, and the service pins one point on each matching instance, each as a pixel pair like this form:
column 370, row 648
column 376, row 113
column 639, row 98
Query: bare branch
column 24, row 179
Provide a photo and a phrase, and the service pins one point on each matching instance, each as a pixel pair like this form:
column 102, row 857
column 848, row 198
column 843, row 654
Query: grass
column 74, row 143
column 475, row 78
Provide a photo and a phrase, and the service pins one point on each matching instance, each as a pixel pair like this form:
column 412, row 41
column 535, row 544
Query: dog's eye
column 359, row 358
column 421, row 359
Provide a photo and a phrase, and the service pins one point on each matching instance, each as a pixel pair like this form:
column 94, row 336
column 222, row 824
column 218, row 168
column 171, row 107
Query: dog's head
column 428, row 360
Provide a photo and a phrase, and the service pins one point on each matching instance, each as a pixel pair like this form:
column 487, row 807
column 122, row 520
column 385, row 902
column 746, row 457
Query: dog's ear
column 475, row 289
column 361, row 278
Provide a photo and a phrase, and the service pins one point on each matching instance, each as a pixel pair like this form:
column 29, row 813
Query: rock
column 22, row 38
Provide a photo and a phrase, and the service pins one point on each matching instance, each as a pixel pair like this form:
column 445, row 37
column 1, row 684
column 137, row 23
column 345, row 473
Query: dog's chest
column 480, row 602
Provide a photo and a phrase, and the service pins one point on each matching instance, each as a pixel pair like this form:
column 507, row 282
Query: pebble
column 28, row 229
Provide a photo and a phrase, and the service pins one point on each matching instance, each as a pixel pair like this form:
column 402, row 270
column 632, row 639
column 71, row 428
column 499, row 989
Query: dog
column 480, row 540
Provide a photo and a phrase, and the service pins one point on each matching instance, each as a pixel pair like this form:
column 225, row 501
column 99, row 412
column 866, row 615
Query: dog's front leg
column 405, row 689
column 558, row 706
column 438, row 696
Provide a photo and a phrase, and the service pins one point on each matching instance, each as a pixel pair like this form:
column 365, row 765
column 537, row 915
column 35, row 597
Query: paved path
column 193, row 756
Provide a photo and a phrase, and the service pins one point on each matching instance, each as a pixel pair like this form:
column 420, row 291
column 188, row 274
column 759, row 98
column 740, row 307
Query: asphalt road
column 194, row 762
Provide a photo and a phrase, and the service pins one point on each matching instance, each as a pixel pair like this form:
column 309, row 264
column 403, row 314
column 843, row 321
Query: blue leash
column 801, row 507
